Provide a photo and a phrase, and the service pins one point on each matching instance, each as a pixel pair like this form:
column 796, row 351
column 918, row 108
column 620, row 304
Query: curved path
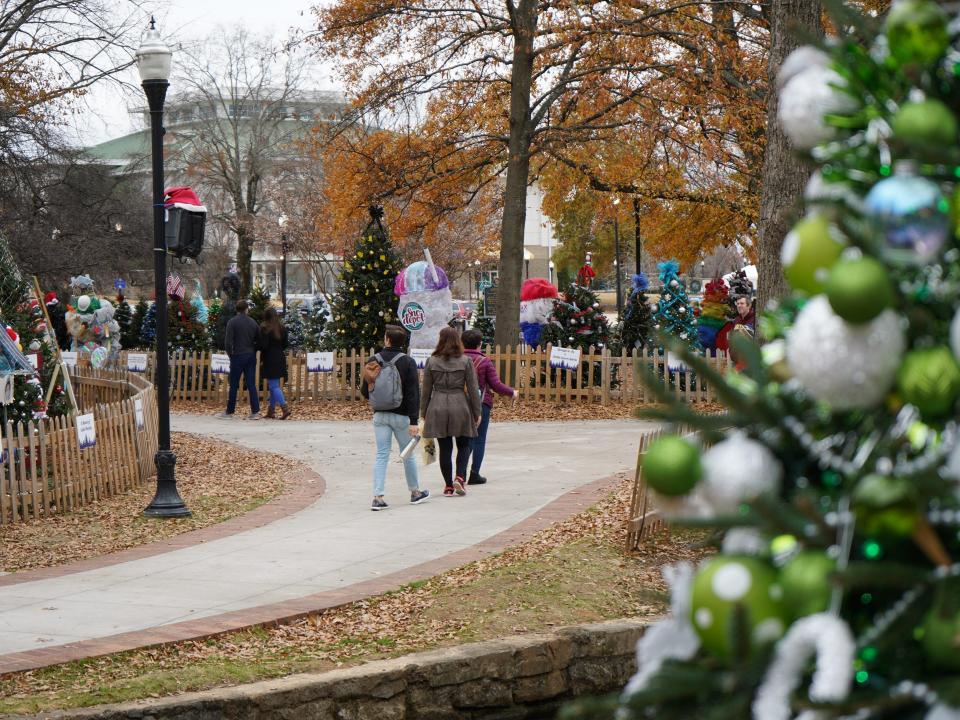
column 314, row 555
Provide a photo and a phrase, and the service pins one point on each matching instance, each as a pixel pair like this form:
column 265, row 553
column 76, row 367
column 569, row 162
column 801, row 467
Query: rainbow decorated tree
column 713, row 313
column 426, row 304
column 833, row 482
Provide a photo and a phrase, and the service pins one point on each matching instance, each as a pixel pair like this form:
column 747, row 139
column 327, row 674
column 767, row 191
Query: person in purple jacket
column 489, row 383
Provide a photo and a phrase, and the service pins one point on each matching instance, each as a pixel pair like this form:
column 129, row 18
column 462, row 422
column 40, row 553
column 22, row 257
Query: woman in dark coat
column 273, row 358
column 450, row 407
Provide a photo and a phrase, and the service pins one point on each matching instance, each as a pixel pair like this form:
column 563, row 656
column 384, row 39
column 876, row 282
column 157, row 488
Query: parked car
column 463, row 309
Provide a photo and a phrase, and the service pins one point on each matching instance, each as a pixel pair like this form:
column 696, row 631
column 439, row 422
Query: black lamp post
column 282, row 221
column 616, row 255
column 153, row 62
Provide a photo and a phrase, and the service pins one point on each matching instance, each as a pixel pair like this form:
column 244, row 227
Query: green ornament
column 928, row 124
column 917, row 32
column 930, row 380
column 726, row 585
column 859, row 290
column 671, row 466
column 941, row 639
column 809, row 251
column 885, row 506
column 805, row 583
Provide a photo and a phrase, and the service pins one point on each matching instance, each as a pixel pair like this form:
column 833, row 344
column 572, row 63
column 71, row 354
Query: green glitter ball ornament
column 929, row 378
column 916, row 32
column 672, row 466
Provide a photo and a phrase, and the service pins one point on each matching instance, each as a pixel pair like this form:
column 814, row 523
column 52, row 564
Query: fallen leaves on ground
column 217, row 480
column 574, row 571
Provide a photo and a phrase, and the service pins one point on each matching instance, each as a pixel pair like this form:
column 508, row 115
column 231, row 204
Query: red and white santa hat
column 184, row 198
column 50, row 298
column 537, row 289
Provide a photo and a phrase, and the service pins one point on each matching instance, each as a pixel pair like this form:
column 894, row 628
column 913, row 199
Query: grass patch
column 574, row 572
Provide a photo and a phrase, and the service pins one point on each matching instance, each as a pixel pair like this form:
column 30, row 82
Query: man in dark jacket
column 401, row 422
column 241, row 345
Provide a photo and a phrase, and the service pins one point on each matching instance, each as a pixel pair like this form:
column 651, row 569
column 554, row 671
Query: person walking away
column 273, row 360
column 450, row 407
column 489, row 382
column 241, row 338
column 391, row 385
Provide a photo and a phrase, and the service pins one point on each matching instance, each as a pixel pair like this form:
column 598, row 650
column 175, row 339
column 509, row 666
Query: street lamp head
column 153, row 56
column 552, row 266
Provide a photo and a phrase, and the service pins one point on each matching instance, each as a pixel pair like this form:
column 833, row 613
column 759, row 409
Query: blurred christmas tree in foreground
column 836, row 497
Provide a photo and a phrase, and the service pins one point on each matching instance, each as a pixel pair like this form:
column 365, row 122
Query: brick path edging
column 302, row 487
column 561, row 508
column 514, row 677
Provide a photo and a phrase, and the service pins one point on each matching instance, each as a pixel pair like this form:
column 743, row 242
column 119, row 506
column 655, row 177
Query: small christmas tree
column 365, row 302
column 577, row 321
column 296, row 330
column 259, row 302
column 315, row 325
column 635, row 329
column 185, row 332
column 213, row 322
column 484, row 325
column 136, row 324
column 713, row 313
column 148, row 328
column 674, row 316
column 124, row 317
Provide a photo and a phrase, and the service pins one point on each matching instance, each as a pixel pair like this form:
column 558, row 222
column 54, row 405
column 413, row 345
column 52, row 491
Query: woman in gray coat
column 450, row 407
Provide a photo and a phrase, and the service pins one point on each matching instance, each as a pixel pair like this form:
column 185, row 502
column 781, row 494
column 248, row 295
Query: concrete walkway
column 334, row 543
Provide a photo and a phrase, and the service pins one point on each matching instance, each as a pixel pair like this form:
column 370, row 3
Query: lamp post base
column 167, row 503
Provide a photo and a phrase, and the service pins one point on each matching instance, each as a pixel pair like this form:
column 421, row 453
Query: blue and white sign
column 421, row 355
column 120, row 284
column 565, row 358
column 86, row 431
column 320, row 362
column 138, row 414
column 137, row 362
column 220, row 364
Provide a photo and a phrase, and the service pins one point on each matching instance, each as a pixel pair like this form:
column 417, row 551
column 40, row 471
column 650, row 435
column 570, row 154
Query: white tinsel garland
column 671, row 639
column 827, row 637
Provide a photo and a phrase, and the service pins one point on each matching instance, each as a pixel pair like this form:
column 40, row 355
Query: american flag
column 175, row 286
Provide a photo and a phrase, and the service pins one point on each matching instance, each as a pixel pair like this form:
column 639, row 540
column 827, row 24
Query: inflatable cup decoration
column 425, row 302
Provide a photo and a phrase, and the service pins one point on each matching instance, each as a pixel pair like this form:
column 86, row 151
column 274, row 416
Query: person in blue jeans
column 401, row 422
column 489, row 382
column 241, row 338
column 273, row 360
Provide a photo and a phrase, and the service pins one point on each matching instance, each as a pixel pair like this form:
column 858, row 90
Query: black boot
column 476, row 478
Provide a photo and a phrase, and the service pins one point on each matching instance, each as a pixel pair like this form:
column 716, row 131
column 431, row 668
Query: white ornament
column 819, row 190
column 801, row 59
column 739, row 470
column 943, row 712
column 831, row 640
column 670, row 639
column 847, row 366
column 744, row 541
column 804, row 101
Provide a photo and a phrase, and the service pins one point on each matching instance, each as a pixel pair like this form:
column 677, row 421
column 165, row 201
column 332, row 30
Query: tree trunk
column 244, row 254
column 518, row 172
column 784, row 175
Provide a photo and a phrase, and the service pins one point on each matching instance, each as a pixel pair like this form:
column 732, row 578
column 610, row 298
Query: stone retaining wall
column 508, row 679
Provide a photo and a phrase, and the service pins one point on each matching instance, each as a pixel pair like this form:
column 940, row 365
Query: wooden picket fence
column 602, row 378
column 43, row 470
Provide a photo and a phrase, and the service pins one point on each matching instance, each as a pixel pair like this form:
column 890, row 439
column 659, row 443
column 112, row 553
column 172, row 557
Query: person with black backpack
column 391, row 386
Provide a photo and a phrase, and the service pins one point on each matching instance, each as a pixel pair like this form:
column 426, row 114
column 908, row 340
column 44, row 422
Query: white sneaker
column 253, row 416
column 224, row 415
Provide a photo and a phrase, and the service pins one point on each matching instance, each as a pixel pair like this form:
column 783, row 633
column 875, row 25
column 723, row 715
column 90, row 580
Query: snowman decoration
column 537, row 296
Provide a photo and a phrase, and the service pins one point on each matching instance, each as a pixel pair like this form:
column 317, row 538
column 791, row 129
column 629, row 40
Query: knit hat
column 83, row 303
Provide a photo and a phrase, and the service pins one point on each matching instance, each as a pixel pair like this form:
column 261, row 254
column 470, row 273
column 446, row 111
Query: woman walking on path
column 450, row 407
column 489, row 383
column 273, row 357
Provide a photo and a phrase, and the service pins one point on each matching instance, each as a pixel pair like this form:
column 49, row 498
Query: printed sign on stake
column 138, row 414
column 565, row 358
column 320, row 362
column 421, row 355
column 69, row 359
column 137, row 362
column 86, row 431
column 220, row 364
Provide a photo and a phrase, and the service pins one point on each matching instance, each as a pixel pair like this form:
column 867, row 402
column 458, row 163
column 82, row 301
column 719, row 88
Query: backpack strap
column 380, row 359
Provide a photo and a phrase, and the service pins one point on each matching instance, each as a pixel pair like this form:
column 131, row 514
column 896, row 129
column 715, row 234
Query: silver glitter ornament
column 806, row 99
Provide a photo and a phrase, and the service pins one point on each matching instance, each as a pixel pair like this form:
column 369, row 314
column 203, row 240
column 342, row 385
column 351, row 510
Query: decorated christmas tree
column 713, row 313
column 674, row 316
column 832, row 482
column 577, row 321
column 213, row 322
column 636, row 328
column 259, row 302
column 124, row 317
column 295, row 329
column 365, row 301
column 148, row 328
column 185, row 331
column 484, row 325
column 136, row 324
column 315, row 335
column 21, row 319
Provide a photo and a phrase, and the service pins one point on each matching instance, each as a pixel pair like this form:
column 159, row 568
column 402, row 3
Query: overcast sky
column 104, row 114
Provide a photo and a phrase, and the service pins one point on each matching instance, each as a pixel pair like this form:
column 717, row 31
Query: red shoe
column 448, row 491
column 459, row 486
